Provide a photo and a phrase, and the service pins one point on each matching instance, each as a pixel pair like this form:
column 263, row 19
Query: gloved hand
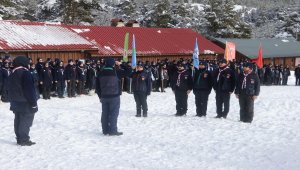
column 34, row 109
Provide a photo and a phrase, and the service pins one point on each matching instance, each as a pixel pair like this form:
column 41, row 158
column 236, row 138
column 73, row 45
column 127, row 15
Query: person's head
column 222, row 63
column 21, row 61
column 248, row 67
column 164, row 66
column 46, row 64
column 40, row 60
column 180, row 66
column 32, row 66
column 202, row 65
column 109, row 62
column 140, row 67
column 70, row 61
column 80, row 63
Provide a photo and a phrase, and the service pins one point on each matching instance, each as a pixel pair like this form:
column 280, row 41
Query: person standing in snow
column 108, row 89
column 247, row 90
column 23, row 99
column 6, row 71
column 46, row 80
column 59, row 79
column 182, row 85
column 297, row 75
column 141, row 87
column 71, row 77
column 203, row 83
column 224, row 84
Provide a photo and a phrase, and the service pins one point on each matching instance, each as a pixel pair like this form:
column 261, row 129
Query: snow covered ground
column 68, row 136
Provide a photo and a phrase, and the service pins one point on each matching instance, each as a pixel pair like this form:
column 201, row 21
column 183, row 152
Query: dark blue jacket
column 35, row 76
column 108, row 84
column 70, row 72
column 21, row 91
column 81, row 74
column 141, row 82
column 1, row 81
column 182, row 81
column 252, row 84
column 225, row 81
column 203, row 80
column 46, row 77
column 59, row 74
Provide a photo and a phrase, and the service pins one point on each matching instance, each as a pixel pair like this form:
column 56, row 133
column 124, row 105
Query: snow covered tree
column 126, row 10
column 225, row 22
column 160, row 16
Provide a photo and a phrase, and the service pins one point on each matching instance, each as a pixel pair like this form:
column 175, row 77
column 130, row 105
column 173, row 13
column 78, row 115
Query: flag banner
column 196, row 55
column 230, row 51
column 125, row 54
column 259, row 59
column 133, row 58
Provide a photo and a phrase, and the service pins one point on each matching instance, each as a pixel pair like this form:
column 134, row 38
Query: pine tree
column 224, row 21
column 160, row 16
column 127, row 10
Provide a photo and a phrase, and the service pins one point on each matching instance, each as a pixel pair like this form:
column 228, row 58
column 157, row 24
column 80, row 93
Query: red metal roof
column 33, row 36
column 149, row 41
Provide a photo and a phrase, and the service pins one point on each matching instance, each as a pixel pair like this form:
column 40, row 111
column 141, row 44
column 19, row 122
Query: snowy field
column 68, row 136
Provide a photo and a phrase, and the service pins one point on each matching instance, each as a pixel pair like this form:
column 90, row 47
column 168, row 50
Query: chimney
column 117, row 22
column 132, row 23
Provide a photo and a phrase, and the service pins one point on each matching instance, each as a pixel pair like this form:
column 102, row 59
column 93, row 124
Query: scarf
column 220, row 71
column 17, row 68
column 178, row 78
column 244, row 84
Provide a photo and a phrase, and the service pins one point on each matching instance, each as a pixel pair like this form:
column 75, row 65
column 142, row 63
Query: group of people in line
column 25, row 81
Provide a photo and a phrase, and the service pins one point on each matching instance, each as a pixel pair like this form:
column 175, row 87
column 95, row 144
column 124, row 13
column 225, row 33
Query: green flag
column 125, row 54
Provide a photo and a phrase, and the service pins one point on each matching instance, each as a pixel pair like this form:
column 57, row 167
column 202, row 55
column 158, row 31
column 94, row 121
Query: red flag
column 259, row 59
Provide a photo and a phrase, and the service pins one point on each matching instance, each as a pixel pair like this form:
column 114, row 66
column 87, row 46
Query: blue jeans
column 110, row 113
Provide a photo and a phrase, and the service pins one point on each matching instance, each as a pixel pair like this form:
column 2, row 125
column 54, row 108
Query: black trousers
column 80, row 87
column 46, row 92
column 222, row 101
column 71, row 87
column 110, row 113
column 61, row 88
column 297, row 80
column 246, row 108
column 141, row 103
column 201, row 98
column 22, row 124
column 181, row 98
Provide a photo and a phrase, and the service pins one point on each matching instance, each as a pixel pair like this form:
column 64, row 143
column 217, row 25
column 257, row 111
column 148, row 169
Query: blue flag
column 196, row 55
column 133, row 59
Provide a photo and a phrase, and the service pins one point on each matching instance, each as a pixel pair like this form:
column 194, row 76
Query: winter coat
column 46, row 77
column 81, row 74
column 108, row 84
column 70, row 72
column 141, row 82
column 21, row 91
column 224, row 80
column 182, row 81
column 203, row 80
column 252, row 84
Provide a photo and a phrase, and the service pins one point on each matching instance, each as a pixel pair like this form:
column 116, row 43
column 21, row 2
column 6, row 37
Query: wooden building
column 42, row 40
column 275, row 51
column 46, row 40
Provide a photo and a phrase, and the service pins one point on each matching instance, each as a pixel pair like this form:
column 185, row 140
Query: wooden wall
column 155, row 58
column 63, row 55
column 290, row 61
